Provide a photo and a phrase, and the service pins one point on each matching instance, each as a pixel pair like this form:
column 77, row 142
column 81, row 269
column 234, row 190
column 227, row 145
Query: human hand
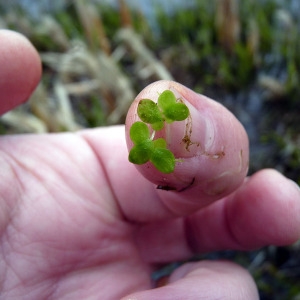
column 78, row 221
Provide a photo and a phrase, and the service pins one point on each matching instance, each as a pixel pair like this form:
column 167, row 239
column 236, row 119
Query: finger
column 214, row 177
column 264, row 211
column 211, row 144
column 20, row 69
column 205, row 280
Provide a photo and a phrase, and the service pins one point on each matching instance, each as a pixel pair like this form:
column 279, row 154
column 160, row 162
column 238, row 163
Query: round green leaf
column 139, row 132
column 166, row 99
column 149, row 112
column 141, row 152
column 163, row 160
column 160, row 143
column 157, row 126
column 177, row 112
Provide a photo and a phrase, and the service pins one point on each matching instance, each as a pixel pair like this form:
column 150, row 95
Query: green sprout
column 167, row 109
column 145, row 147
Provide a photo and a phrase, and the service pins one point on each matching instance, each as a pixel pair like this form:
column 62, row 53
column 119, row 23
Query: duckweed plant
column 167, row 110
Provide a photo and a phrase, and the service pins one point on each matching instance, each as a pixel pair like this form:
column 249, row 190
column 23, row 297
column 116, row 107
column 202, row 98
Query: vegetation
column 245, row 54
column 146, row 148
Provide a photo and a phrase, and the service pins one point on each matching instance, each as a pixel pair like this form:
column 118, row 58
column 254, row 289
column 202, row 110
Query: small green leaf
column 165, row 99
column 157, row 126
column 176, row 112
column 141, row 153
column 139, row 132
column 149, row 112
column 163, row 160
column 160, row 143
column 145, row 148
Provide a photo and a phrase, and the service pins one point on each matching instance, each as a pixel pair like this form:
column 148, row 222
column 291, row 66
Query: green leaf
column 139, row 132
column 176, row 112
column 172, row 110
column 141, row 153
column 157, row 126
column 163, row 160
column 145, row 148
column 160, row 143
column 149, row 112
column 165, row 99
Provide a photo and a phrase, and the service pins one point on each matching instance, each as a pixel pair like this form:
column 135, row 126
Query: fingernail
column 198, row 132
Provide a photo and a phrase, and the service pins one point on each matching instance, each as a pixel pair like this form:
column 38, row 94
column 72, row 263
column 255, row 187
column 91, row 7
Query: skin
column 78, row 221
column 211, row 143
column 22, row 65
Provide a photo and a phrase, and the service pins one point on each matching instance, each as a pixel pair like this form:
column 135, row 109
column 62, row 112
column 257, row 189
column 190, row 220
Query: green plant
column 146, row 148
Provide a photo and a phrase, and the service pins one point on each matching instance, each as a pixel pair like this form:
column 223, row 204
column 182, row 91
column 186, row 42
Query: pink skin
column 215, row 156
column 23, row 65
column 78, row 221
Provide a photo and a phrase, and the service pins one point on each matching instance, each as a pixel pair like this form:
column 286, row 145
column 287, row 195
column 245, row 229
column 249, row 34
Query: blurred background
column 98, row 55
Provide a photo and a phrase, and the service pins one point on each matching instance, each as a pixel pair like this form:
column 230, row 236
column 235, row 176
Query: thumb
column 205, row 280
column 210, row 146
